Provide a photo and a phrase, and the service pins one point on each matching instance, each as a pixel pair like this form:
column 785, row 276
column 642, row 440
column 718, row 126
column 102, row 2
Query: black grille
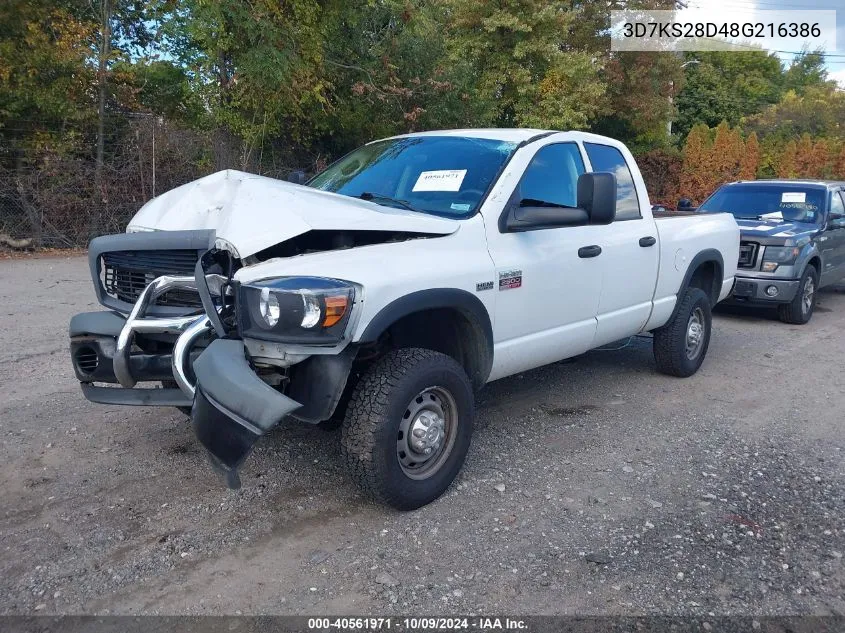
column 127, row 273
column 747, row 254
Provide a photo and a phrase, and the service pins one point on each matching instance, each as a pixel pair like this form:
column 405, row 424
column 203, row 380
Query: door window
column 837, row 208
column 607, row 158
column 552, row 175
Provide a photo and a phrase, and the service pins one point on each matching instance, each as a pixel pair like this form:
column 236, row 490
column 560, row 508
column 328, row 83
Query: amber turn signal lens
column 335, row 309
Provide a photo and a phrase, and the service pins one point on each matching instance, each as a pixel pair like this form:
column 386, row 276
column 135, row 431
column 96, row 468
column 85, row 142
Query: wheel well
column 816, row 263
column 451, row 331
column 708, row 277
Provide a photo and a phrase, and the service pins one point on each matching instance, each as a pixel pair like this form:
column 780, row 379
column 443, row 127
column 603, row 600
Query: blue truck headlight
column 299, row 310
column 775, row 256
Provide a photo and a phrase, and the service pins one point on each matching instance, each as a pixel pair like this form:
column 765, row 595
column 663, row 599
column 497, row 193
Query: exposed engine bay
column 318, row 241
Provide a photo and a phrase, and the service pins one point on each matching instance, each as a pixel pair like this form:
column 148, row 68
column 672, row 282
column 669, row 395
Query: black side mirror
column 685, row 204
column 297, row 177
column 597, row 196
column 527, row 217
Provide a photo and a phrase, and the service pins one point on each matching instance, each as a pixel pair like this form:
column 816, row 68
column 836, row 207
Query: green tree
column 162, row 88
column 387, row 67
column 820, row 111
column 45, row 78
column 525, row 74
column 727, row 86
column 638, row 105
column 257, row 66
column 807, row 70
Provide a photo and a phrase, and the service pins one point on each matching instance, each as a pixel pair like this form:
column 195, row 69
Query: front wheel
column 800, row 310
column 681, row 345
column 408, row 426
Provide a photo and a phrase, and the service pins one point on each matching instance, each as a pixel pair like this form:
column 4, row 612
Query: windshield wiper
column 375, row 197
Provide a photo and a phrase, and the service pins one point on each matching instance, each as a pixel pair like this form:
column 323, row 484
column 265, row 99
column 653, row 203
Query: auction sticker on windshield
column 440, row 180
column 796, row 196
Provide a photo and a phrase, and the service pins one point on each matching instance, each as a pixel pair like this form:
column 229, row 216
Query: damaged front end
column 181, row 333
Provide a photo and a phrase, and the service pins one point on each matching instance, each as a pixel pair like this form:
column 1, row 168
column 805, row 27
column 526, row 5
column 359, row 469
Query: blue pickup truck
column 792, row 241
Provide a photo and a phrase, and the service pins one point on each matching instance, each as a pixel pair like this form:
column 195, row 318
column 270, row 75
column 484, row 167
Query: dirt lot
column 596, row 487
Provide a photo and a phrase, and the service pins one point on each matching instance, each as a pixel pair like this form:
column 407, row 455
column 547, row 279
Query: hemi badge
column 484, row 285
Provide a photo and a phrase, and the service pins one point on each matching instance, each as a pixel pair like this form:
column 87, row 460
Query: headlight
column 302, row 310
column 775, row 256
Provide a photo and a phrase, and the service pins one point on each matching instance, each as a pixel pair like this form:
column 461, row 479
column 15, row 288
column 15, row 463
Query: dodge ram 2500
column 387, row 290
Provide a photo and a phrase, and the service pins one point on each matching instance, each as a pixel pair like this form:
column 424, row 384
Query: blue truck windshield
column 441, row 175
column 787, row 203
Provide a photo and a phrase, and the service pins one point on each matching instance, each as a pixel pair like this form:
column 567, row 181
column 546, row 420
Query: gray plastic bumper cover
column 233, row 407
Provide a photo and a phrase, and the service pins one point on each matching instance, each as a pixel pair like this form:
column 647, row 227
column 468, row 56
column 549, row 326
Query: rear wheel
column 800, row 310
column 681, row 345
column 408, row 427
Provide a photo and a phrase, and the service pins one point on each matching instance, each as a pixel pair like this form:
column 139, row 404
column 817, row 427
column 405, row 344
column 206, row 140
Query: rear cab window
column 609, row 159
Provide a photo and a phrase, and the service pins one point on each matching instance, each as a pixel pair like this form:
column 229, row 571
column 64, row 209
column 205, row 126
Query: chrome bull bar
column 190, row 329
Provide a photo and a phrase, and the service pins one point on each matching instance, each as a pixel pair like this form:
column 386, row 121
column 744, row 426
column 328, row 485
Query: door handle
column 589, row 251
column 648, row 241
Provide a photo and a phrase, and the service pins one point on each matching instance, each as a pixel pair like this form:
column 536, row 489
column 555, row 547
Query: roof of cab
column 511, row 135
column 514, row 135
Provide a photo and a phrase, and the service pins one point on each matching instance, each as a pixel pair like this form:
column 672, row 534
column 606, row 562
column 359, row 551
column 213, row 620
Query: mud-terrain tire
column 800, row 310
column 410, row 401
column 681, row 345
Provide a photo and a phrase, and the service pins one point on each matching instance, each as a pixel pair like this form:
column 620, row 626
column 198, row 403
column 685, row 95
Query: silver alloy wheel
column 807, row 297
column 427, row 432
column 695, row 334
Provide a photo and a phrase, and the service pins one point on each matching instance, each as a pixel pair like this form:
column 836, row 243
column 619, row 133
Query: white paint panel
column 613, row 326
column 253, row 212
column 390, row 271
column 661, row 312
column 693, row 234
column 541, row 348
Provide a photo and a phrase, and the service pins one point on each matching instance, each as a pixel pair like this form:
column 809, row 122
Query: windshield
column 787, row 203
column 442, row 175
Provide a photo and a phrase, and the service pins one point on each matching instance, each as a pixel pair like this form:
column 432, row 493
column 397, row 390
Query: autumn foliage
column 712, row 157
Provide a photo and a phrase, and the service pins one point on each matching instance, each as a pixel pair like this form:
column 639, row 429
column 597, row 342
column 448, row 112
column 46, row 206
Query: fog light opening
column 772, row 291
column 87, row 360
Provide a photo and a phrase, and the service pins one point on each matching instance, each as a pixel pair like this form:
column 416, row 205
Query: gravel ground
column 596, row 486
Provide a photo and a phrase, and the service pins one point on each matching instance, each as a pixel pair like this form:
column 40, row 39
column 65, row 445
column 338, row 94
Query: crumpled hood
column 751, row 229
column 254, row 212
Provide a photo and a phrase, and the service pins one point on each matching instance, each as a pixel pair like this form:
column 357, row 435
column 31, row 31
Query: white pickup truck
column 388, row 289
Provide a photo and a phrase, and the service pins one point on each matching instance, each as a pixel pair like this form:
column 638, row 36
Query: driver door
column 547, row 295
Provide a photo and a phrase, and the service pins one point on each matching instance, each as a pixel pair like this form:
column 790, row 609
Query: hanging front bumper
column 231, row 407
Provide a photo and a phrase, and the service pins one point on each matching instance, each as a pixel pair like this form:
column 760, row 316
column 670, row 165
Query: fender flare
column 810, row 251
column 705, row 256
column 461, row 300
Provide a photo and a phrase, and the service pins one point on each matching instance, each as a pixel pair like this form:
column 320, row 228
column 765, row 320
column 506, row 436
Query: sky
column 835, row 58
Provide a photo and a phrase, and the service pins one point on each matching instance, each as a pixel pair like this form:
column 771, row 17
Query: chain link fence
column 61, row 201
